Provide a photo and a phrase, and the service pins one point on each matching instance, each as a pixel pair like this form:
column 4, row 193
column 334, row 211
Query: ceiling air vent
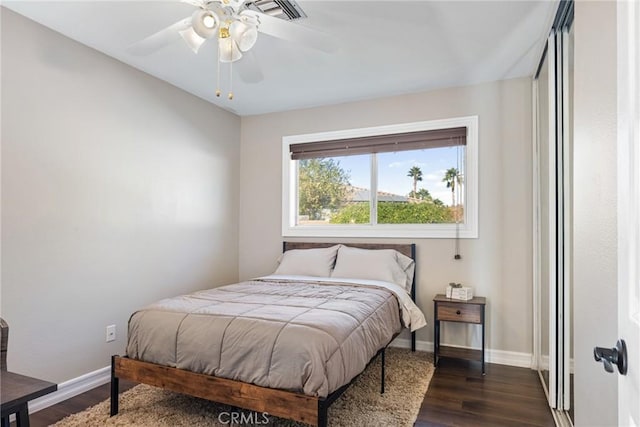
column 283, row 9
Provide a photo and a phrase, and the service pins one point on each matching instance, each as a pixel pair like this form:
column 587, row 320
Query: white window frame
column 467, row 230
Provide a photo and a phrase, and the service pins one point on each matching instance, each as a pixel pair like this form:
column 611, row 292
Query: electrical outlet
column 111, row 333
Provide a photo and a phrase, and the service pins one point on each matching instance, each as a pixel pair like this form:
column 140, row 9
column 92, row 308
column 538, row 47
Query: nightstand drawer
column 456, row 312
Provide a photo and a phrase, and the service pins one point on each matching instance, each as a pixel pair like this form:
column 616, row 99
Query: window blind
column 380, row 143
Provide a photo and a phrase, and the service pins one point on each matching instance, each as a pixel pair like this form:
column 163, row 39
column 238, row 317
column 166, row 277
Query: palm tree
column 452, row 177
column 423, row 194
column 416, row 174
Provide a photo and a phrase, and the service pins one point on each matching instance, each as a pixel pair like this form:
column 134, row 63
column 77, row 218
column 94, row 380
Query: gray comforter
column 300, row 336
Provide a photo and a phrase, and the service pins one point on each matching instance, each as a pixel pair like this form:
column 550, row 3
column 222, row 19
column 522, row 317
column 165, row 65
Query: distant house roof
column 357, row 194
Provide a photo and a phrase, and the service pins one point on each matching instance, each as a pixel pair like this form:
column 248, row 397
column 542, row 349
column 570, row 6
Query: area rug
column 407, row 378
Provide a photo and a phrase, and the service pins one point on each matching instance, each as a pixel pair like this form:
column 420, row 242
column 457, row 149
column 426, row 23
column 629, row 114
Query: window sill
column 382, row 231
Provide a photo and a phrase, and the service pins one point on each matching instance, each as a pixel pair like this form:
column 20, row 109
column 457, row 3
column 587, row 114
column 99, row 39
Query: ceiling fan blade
column 291, row 31
column 196, row 3
column 160, row 39
column 249, row 68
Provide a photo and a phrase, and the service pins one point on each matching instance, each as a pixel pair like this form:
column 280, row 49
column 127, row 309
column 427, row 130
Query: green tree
column 422, row 194
column 416, row 174
column 394, row 213
column 352, row 213
column 452, row 177
column 322, row 185
column 413, row 213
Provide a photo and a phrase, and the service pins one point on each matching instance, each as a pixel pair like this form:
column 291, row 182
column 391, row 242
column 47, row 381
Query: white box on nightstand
column 464, row 293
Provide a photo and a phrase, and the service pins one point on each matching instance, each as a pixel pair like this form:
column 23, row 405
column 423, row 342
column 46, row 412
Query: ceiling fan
column 235, row 25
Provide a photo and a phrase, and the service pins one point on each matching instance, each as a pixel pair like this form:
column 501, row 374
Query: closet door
column 553, row 215
column 545, row 230
column 567, row 159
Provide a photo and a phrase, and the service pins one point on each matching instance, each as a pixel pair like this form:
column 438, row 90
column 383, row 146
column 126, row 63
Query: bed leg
column 115, row 385
column 382, row 372
column 413, row 341
column 322, row 414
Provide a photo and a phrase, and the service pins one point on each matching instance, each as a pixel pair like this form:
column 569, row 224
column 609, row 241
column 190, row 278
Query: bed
column 284, row 344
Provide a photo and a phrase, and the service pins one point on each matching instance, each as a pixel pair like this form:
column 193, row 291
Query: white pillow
column 387, row 265
column 308, row 262
column 408, row 265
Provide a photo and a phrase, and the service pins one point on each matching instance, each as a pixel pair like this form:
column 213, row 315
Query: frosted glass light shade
column 205, row 23
column 228, row 50
column 193, row 40
column 245, row 35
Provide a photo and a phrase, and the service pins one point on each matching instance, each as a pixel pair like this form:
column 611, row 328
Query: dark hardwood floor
column 458, row 396
column 55, row 413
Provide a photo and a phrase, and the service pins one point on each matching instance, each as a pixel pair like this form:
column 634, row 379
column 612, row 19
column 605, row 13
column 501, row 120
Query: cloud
column 401, row 164
column 435, row 176
column 445, row 193
column 407, row 164
column 445, row 196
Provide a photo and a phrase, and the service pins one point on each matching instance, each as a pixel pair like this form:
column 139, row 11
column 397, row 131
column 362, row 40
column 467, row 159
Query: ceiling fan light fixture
column 205, row 23
column 245, row 35
column 194, row 41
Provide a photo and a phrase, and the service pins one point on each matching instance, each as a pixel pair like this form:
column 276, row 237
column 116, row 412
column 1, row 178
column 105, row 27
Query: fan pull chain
column 218, row 91
column 218, row 76
column 231, row 71
column 458, row 194
column 230, row 96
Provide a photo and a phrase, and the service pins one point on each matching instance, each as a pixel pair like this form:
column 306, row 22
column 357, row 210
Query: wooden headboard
column 408, row 249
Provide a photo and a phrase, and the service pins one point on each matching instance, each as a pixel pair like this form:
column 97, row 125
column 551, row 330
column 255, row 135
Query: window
column 409, row 180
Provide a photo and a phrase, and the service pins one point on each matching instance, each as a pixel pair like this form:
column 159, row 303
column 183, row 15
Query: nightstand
column 452, row 310
column 16, row 392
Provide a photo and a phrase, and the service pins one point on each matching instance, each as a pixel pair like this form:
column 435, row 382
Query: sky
column 394, row 167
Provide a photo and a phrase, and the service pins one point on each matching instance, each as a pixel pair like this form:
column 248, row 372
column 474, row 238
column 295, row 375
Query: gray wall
column 595, row 216
column 498, row 264
column 117, row 190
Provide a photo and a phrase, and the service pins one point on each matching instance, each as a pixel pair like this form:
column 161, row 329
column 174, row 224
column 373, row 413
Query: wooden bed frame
column 281, row 403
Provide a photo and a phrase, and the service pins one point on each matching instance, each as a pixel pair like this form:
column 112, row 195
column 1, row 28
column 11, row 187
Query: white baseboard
column 500, row 357
column 71, row 388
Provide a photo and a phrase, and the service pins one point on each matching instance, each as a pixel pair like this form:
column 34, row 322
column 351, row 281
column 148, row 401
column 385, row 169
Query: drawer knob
column 457, row 311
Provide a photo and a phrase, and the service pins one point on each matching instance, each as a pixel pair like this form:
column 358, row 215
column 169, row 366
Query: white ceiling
column 385, row 47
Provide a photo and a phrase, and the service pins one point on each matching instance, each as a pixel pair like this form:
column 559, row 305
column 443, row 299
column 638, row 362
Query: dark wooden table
column 452, row 310
column 15, row 393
